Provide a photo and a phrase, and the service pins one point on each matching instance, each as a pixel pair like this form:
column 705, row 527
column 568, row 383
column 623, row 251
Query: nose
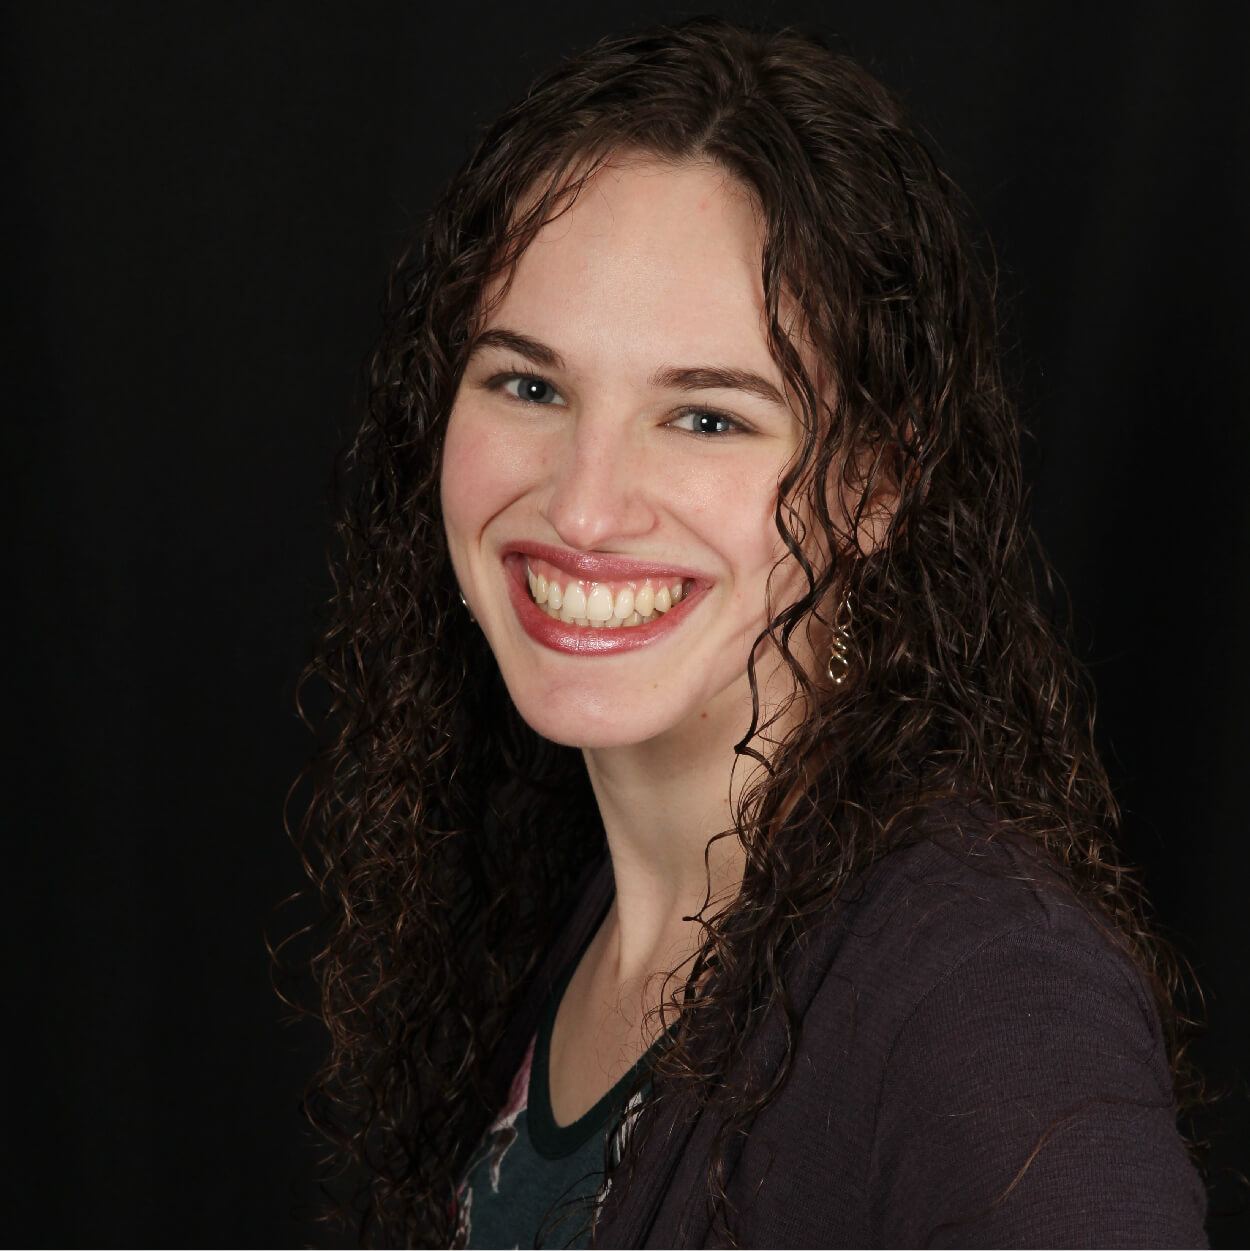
column 600, row 493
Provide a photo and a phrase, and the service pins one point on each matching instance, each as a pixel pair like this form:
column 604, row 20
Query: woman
column 714, row 842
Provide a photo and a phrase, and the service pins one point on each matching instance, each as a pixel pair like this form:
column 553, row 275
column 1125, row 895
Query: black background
column 203, row 200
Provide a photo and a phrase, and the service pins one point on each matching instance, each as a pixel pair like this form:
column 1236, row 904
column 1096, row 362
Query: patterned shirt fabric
column 533, row 1182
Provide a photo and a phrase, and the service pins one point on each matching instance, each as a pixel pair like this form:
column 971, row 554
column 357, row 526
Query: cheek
column 461, row 472
column 742, row 516
column 767, row 576
column 483, row 471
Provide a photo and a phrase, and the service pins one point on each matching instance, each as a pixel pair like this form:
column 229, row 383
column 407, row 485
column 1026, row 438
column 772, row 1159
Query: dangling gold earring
column 840, row 643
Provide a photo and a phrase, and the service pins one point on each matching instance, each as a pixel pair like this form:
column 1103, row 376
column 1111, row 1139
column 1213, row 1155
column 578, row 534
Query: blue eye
column 703, row 421
column 532, row 390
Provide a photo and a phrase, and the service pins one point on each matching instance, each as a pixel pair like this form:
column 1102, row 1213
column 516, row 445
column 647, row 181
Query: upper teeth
column 593, row 603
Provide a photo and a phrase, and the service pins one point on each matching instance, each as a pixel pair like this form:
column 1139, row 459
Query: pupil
column 708, row 423
column 535, row 389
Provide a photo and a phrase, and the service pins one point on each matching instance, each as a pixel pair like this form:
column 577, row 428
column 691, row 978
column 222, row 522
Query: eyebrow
column 712, row 378
column 673, row 378
column 509, row 341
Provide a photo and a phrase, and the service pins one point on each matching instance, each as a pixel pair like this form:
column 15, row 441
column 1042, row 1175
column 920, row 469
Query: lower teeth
column 615, row 622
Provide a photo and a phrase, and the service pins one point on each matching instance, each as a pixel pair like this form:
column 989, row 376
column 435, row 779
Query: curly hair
column 442, row 883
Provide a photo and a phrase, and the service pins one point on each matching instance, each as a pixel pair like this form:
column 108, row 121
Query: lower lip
column 588, row 640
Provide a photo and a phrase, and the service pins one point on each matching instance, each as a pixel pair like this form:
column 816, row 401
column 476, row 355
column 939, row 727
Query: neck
column 659, row 816
column 662, row 803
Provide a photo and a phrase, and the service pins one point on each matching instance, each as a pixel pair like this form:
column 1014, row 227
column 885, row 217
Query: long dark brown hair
column 426, row 836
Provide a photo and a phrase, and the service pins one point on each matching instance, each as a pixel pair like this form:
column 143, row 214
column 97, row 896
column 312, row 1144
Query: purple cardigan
column 978, row 1066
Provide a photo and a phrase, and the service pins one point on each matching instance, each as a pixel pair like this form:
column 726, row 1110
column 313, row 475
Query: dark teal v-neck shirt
column 533, row 1182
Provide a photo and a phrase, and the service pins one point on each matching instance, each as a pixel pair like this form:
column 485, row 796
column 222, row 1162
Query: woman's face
column 614, row 451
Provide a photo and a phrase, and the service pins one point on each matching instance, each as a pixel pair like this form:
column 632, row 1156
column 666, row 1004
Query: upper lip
column 599, row 567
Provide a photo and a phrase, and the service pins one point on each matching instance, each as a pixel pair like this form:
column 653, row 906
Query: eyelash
column 735, row 426
column 505, row 382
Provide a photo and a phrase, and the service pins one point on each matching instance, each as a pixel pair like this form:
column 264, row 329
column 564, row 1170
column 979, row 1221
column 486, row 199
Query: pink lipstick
column 582, row 640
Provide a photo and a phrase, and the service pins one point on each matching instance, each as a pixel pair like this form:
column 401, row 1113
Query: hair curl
column 423, row 835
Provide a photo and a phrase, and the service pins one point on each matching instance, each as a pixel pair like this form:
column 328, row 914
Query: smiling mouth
column 602, row 605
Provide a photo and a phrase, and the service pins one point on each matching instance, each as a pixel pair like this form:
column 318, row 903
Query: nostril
column 595, row 504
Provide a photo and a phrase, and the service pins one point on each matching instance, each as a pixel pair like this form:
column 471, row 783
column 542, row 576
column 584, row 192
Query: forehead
column 649, row 258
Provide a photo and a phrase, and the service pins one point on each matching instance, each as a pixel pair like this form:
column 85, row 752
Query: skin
column 655, row 268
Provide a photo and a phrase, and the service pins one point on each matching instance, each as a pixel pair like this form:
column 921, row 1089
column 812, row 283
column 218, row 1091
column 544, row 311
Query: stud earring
column 840, row 643
column 467, row 609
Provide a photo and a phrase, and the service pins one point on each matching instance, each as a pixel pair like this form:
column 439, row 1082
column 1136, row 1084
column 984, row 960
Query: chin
column 585, row 741
column 574, row 726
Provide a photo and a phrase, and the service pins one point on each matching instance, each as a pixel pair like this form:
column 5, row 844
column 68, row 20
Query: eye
column 706, row 422
column 531, row 389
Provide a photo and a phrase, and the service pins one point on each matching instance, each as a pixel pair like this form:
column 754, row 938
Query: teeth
column 614, row 624
column 574, row 600
column 599, row 604
column 597, row 608
column 538, row 587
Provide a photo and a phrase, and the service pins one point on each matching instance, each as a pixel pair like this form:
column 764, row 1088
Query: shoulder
column 981, row 1062
column 971, row 957
column 964, row 1057
column 967, row 937
column 962, row 894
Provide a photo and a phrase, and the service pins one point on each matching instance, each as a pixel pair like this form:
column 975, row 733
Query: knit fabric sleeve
column 1027, row 1102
